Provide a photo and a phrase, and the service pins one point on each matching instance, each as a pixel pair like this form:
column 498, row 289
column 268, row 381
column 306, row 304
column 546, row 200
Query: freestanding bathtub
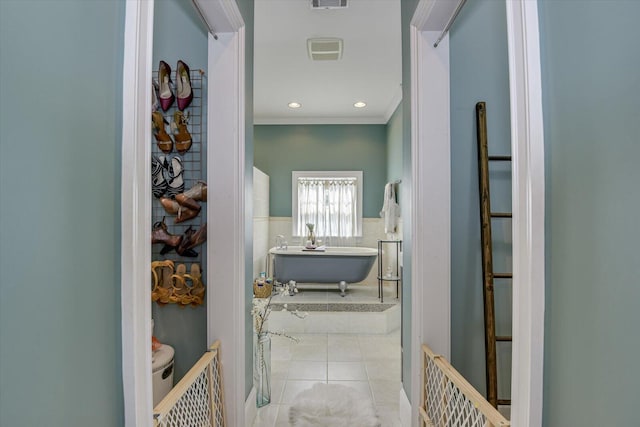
column 340, row 265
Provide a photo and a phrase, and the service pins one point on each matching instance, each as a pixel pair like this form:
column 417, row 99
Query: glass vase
column 262, row 369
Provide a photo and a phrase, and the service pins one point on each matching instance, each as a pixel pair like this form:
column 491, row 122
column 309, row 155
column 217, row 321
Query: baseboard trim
column 404, row 409
column 250, row 410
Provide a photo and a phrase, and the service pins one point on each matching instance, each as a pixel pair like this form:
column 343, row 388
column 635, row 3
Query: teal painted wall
column 280, row 149
column 178, row 33
column 60, row 145
column 479, row 72
column 591, row 87
column 408, row 8
column 394, row 146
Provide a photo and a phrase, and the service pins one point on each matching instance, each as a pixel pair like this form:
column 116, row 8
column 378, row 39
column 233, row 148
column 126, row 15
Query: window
column 331, row 201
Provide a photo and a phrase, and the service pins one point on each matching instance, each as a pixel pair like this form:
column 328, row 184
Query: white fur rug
column 332, row 405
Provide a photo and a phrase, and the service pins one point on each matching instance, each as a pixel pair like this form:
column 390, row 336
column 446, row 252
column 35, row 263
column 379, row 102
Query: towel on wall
column 390, row 209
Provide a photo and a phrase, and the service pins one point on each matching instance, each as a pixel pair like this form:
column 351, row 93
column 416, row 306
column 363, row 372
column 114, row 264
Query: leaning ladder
column 488, row 275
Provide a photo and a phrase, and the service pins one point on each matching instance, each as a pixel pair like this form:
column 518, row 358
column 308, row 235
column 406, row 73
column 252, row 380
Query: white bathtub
column 339, row 265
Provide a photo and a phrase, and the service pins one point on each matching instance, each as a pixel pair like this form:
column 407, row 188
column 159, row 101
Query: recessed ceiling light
column 360, row 104
column 294, row 105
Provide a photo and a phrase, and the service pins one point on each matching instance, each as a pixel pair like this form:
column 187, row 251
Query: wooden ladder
column 488, row 275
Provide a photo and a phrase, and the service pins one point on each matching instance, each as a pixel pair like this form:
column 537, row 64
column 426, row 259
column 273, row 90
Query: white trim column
column 527, row 149
column 226, row 214
column 135, row 190
column 430, row 202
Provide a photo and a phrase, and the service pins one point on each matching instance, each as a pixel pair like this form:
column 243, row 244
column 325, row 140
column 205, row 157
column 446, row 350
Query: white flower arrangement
column 262, row 309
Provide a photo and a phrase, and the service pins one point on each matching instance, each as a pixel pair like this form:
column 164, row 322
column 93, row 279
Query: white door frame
column 431, row 237
column 135, row 260
column 527, row 151
column 430, row 142
column 225, row 213
column 430, row 202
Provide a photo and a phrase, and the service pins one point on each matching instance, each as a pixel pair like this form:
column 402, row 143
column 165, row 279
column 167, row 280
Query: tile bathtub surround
column 368, row 363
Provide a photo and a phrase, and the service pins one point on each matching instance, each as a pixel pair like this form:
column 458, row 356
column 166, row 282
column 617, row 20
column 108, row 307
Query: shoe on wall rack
column 178, row 180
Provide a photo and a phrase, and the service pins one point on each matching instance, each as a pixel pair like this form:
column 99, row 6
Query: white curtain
column 330, row 204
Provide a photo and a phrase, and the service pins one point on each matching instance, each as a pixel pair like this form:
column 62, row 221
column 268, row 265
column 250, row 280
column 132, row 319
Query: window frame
column 358, row 175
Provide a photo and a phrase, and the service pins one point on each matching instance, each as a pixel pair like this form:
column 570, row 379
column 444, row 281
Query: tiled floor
column 368, row 363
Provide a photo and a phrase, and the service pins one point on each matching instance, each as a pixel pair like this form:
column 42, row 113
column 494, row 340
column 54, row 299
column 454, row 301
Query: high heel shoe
column 163, row 139
column 199, row 237
column 174, row 208
column 160, row 234
column 164, row 79
column 183, row 85
column 180, row 132
column 197, row 192
column 188, row 202
column 191, row 239
column 184, row 245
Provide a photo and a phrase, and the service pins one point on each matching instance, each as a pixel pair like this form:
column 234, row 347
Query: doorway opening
column 328, row 127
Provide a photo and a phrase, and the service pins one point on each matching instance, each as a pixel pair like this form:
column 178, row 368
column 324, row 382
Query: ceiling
column 370, row 69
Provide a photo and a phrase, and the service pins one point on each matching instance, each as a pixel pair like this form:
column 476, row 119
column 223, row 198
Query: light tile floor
column 368, row 363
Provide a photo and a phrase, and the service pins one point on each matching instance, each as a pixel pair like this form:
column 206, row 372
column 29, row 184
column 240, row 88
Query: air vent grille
column 328, row 4
column 325, row 49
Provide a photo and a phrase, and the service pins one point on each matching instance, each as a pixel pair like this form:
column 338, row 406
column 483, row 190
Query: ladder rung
column 500, row 158
column 504, row 401
column 500, row 214
column 505, row 338
column 502, row 275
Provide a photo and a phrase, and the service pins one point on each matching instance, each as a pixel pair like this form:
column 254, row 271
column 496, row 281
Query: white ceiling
column 370, row 69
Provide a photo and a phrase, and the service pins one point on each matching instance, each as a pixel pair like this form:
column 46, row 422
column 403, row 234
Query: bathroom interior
column 309, row 125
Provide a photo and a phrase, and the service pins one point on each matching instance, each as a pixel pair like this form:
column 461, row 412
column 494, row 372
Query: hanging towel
column 390, row 209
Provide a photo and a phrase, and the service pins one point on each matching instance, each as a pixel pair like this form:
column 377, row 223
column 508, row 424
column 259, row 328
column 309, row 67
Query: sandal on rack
column 197, row 290
column 176, row 181
column 181, row 291
column 159, row 184
column 155, row 281
column 163, row 139
column 164, row 79
column 183, row 85
column 180, row 132
column 163, row 291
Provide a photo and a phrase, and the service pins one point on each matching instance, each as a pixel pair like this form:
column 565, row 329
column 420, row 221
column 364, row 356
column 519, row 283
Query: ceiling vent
column 328, row 4
column 325, row 49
